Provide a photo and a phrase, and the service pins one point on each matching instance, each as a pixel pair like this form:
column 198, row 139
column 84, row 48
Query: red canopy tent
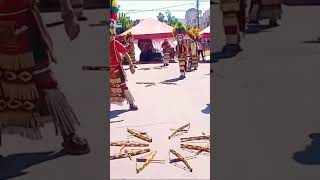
column 205, row 33
column 150, row 29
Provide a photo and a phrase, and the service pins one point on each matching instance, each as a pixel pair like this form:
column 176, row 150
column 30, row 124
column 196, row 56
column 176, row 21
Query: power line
column 169, row 7
column 163, row 8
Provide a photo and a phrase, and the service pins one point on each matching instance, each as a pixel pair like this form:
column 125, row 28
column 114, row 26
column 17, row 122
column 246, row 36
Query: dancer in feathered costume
column 29, row 94
column 166, row 49
column 180, row 31
column 234, row 22
column 130, row 48
column 265, row 9
column 119, row 91
column 194, row 34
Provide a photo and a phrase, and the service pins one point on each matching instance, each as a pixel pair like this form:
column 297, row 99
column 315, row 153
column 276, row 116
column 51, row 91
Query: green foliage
column 167, row 18
column 125, row 21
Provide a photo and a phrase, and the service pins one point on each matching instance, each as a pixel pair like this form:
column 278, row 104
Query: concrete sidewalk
column 162, row 107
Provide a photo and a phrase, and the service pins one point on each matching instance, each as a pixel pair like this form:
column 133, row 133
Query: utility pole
column 198, row 14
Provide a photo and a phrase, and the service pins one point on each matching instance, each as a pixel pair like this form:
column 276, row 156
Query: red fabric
column 115, row 48
column 114, row 16
column 182, row 50
column 166, row 47
column 130, row 48
column 231, row 30
column 45, row 81
column 150, row 29
column 14, row 5
column 205, row 33
column 23, row 43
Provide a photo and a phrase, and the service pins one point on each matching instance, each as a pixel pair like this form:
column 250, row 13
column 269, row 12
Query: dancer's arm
column 130, row 62
column 71, row 25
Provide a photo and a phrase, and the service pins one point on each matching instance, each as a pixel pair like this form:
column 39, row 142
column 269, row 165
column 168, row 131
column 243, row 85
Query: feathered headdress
column 114, row 17
column 114, row 10
column 128, row 36
column 194, row 33
column 179, row 29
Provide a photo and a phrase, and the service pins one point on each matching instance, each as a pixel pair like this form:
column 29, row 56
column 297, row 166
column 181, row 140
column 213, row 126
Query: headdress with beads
column 128, row 36
column 114, row 16
column 180, row 29
column 194, row 33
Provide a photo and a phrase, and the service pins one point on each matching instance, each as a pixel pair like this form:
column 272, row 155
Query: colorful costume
column 194, row 34
column 265, row 9
column 233, row 20
column 29, row 94
column 119, row 91
column 130, row 48
column 181, row 49
column 166, row 47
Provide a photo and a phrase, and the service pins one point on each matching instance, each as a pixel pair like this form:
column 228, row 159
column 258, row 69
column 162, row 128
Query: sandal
column 75, row 145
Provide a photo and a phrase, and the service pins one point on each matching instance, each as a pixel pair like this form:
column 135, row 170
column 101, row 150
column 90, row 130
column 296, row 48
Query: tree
column 171, row 20
column 135, row 22
column 161, row 17
column 125, row 21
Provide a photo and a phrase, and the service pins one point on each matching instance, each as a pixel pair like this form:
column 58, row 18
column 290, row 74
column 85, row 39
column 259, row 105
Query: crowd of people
column 187, row 52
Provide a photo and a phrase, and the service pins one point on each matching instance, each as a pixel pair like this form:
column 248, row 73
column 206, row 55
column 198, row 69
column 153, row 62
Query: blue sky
column 141, row 9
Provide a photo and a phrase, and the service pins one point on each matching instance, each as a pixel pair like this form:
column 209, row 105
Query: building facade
column 191, row 18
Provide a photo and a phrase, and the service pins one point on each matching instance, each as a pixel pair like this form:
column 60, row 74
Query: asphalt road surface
column 86, row 91
column 268, row 101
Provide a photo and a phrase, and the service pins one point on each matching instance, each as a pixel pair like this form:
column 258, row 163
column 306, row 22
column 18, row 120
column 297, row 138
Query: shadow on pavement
column 116, row 113
column 311, row 154
column 206, row 110
column 257, row 28
column 174, row 80
column 223, row 55
column 14, row 165
column 312, row 41
column 58, row 23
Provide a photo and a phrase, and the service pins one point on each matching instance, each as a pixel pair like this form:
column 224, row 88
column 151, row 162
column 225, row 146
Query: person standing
column 181, row 49
column 265, row 9
column 30, row 97
column 166, row 49
column 200, row 49
column 194, row 34
column 130, row 48
column 119, row 91
column 234, row 22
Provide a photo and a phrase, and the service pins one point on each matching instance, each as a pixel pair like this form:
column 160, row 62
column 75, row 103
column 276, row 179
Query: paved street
column 163, row 107
column 86, row 91
column 267, row 103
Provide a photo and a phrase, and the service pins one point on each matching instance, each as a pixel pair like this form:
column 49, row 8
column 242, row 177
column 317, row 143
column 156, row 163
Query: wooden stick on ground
column 180, row 129
column 195, row 138
column 147, row 162
column 139, row 135
column 129, row 144
column 194, row 147
column 130, row 153
column 181, row 158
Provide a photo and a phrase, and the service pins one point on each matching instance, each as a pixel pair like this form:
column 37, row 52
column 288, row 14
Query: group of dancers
column 235, row 18
column 186, row 53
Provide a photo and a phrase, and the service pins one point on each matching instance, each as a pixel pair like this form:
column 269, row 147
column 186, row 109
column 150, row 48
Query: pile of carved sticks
column 142, row 148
